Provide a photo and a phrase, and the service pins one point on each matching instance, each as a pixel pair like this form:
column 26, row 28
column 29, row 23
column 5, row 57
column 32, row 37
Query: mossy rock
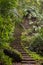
column 14, row 54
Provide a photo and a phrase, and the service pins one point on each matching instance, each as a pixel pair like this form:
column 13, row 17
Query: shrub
column 5, row 60
column 6, row 6
column 9, row 55
column 14, row 54
column 37, row 45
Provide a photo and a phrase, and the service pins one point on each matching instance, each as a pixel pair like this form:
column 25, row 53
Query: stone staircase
column 27, row 60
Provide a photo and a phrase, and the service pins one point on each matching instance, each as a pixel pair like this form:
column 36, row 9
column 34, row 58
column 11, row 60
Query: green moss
column 34, row 55
column 13, row 50
column 5, row 60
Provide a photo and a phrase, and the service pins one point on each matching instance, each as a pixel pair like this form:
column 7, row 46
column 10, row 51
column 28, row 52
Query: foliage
column 14, row 54
column 34, row 55
column 37, row 46
column 6, row 20
column 35, row 9
column 11, row 13
column 6, row 28
column 7, row 25
column 6, row 59
column 41, row 32
column 6, row 6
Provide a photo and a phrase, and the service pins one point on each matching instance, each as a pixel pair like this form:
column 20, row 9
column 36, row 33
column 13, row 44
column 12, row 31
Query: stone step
column 28, row 59
column 28, row 62
column 17, row 64
column 23, row 52
column 26, row 56
column 23, row 64
column 17, row 46
column 19, row 49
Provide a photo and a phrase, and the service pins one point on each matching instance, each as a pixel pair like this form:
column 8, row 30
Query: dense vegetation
column 7, row 23
column 16, row 12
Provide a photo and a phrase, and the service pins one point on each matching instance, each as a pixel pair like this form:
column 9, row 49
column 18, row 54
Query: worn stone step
column 28, row 62
column 26, row 56
column 28, row 59
column 17, row 46
column 23, row 52
column 17, row 64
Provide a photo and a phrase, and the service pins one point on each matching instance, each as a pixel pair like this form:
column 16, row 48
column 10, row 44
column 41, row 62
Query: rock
column 16, row 57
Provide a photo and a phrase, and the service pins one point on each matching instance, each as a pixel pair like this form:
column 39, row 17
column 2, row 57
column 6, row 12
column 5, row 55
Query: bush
column 6, row 6
column 37, row 45
column 5, row 60
column 9, row 55
column 6, row 28
column 14, row 54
